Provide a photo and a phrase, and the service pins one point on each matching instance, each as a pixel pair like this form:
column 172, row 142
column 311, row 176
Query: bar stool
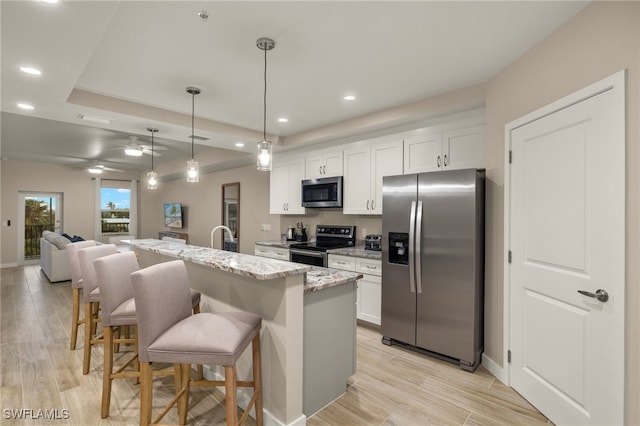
column 168, row 333
column 76, row 285
column 91, row 297
column 113, row 275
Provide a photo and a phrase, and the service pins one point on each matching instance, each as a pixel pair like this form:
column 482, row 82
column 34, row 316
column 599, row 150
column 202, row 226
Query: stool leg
column 146, row 396
column 88, row 322
column 231, row 397
column 199, row 369
column 75, row 318
column 257, row 378
column 182, row 382
column 107, row 371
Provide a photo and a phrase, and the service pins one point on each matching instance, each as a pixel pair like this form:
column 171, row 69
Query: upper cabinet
column 444, row 148
column 365, row 163
column 324, row 163
column 285, row 186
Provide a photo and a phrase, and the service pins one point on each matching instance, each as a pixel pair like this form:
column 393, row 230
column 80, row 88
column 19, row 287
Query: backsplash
column 364, row 224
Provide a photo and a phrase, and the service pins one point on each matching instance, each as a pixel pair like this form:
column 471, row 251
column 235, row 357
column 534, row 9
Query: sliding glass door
column 38, row 212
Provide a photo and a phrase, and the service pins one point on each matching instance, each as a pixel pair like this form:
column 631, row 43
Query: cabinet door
column 333, row 164
column 278, row 188
column 357, row 180
column 370, row 300
column 464, row 148
column 386, row 160
column 314, row 166
column 423, row 153
column 296, row 176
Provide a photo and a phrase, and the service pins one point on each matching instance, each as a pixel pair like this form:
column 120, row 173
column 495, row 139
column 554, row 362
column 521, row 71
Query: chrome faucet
column 224, row 228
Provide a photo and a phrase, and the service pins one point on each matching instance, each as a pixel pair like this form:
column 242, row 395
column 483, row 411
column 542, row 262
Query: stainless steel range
column 327, row 237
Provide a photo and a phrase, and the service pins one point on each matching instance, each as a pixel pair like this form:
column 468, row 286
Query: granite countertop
column 260, row 268
column 276, row 243
column 356, row 251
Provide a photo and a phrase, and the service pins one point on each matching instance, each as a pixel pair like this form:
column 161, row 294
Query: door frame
column 615, row 82
column 22, row 196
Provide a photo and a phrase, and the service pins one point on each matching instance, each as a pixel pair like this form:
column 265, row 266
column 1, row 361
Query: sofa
column 54, row 259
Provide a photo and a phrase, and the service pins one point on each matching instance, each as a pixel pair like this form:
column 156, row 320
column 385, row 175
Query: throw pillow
column 77, row 238
column 68, row 237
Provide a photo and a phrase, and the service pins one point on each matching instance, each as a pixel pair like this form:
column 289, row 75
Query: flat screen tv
column 173, row 215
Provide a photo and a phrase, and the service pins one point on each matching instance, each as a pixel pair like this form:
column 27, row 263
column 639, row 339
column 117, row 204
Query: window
column 115, row 208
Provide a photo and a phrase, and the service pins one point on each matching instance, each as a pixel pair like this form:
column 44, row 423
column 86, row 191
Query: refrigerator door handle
column 412, row 258
column 417, row 251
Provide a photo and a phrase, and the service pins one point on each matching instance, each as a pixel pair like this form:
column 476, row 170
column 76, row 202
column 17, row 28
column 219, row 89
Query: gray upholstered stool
column 76, row 285
column 113, row 274
column 168, row 333
column 91, row 296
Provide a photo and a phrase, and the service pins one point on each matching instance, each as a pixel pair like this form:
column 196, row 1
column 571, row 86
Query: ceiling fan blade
column 156, row 147
column 149, row 152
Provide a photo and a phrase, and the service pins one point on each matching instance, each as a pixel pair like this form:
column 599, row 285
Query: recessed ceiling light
column 349, row 98
column 283, row 120
column 30, row 70
column 99, row 120
column 49, row 1
column 239, row 144
column 25, row 106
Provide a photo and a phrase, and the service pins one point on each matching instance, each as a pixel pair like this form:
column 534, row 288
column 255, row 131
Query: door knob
column 600, row 294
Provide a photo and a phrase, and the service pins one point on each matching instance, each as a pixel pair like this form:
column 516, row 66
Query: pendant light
column 152, row 176
column 264, row 146
column 192, row 165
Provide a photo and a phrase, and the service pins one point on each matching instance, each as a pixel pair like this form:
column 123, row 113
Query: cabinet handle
column 438, row 161
column 367, row 204
column 373, row 204
column 320, row 170
column 341, row 263
column 445, row 160
column 324, row 170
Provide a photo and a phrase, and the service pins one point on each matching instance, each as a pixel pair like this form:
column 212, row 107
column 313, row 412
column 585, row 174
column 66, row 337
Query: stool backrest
column 86, row 256
column 74, row 263
column 113, row 274
column 163, row 298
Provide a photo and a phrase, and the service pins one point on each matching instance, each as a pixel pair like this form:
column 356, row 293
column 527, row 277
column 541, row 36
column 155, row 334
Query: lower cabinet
column 272, row 252
column 369, row 296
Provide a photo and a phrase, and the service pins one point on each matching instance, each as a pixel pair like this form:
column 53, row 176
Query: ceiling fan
column 97, row 168
column 135, row 149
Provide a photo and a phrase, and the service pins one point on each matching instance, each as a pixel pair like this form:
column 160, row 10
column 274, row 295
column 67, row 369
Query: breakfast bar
column 308, row 316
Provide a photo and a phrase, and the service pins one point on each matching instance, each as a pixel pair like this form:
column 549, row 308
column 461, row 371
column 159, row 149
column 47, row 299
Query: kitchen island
column 308, row 322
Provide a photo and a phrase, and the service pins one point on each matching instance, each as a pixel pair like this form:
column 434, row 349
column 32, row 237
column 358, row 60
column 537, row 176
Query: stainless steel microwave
column 322, row 192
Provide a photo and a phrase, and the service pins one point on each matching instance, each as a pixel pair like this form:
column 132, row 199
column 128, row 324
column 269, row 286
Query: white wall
column 202, row 202
column 601, row 40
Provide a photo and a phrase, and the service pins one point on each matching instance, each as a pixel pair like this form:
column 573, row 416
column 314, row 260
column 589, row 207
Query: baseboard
column 493, row 368
column 245, row 397
column 9, row 265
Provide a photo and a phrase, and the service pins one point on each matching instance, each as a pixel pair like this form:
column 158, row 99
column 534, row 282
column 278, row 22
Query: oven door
column 308, row 257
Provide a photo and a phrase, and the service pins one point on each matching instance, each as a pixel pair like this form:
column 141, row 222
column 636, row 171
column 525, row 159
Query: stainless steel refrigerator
column 433, row 263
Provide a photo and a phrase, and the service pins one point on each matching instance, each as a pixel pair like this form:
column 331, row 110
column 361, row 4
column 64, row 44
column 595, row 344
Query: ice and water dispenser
column 399, row 248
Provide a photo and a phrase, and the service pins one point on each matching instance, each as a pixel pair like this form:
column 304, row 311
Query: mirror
column 231, row 215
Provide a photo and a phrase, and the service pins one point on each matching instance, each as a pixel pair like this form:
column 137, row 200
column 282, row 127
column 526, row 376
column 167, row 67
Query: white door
column 567, row 236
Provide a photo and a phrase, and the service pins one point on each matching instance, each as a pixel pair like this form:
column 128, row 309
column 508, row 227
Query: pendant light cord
column 193, row 109
column 152, row 132
column 264, row 120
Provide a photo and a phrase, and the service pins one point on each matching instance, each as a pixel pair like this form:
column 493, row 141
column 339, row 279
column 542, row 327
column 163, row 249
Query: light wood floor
column 392, row 387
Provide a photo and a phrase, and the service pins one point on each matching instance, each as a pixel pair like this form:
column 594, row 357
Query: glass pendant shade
column 152, row 180
column 264, row 156
column 192, row 171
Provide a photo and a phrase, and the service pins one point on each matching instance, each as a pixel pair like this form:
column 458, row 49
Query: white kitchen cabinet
column 365, row 164
column 271, row 252
column 285, row 187
column 326, row 163
column 444, row 148
column 369, row 294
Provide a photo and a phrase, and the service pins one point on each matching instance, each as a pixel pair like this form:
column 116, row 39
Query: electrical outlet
column 265, row 227
column 364, row 232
